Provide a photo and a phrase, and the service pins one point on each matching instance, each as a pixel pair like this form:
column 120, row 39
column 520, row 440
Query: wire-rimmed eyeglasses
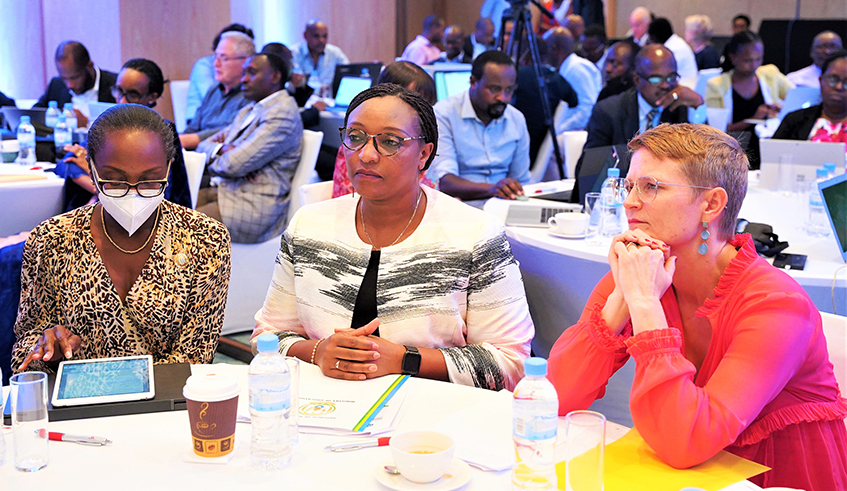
column 119, row 189
column 646, row 186
column 386, row 143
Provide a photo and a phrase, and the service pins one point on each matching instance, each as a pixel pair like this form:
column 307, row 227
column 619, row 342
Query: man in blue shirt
column 315, row 59
column 483, row 143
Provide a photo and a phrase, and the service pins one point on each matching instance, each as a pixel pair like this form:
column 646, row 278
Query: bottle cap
column 613, row 172
column 52, row 104
column 829, row 166
column 267, row 342
column 69, row 106
column 537, row 367
column 25, row 119
column 822, row 172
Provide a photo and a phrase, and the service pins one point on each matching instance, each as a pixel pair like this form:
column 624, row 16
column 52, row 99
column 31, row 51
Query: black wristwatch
column 411, row 361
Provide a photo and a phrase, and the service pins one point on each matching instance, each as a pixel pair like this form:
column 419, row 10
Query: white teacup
column 568, row 223
column 422, row 456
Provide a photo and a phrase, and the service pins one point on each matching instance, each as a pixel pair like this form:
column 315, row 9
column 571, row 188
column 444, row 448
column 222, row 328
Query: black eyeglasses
column 131, row 96
column 646, row 186
column 119, row 189
column 671, row 79
column 834, row 80
column 386, row 143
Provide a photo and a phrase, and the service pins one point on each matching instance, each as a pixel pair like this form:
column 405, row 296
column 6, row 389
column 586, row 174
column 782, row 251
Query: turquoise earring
column 704, row 248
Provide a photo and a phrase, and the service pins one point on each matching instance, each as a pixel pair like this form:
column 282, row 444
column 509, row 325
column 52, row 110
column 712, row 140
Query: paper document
column 631, row 465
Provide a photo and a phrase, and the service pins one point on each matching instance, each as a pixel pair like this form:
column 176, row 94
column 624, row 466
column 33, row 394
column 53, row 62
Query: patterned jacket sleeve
column 499, row 328
column 279, row 315
column 39, row 299
column 260, row 145
column 204, row 314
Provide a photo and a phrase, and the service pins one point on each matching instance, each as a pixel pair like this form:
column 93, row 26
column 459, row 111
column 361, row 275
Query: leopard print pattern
column 174, row 310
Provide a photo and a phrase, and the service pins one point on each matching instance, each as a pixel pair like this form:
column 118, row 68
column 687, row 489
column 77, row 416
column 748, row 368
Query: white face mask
column 132, row 210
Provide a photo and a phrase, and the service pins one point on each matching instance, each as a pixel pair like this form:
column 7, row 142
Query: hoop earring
column 704, row 247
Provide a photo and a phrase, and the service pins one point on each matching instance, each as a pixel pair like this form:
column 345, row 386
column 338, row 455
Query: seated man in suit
column 223, row 101
column 255, row 157
column 80, row 81
column 656, row 98
column 454, row 39
column 617, row 69
column 824, row 44
column 483, row 143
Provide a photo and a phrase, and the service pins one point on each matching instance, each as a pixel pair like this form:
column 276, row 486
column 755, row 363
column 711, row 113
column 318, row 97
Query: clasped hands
column 54, row 344
column 642, row 269
column 355, row 354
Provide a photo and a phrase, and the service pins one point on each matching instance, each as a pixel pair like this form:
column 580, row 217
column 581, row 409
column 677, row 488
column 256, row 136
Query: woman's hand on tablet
column 56, row 343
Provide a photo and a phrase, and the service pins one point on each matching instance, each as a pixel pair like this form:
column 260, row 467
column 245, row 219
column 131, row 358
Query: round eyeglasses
column 131, row 96
column 119, row 189
column 646, row 186
column 386, row 143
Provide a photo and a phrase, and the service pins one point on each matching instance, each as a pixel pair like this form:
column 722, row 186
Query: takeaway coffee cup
column 422, row 456
column 568, row 223
column 212, row 402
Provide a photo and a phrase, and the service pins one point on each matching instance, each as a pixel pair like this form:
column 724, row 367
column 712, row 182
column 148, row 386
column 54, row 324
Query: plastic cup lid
column 211, row 387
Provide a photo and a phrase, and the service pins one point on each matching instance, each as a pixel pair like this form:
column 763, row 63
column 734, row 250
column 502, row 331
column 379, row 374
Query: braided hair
column 129, row 117
column 156, row 81
column 426, row 115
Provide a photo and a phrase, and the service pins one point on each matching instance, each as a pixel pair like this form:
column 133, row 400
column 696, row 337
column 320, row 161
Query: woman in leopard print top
column 90, row 289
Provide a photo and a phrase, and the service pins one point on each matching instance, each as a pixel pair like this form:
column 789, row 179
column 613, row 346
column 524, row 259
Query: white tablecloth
column 148, row 451
column 25, row 204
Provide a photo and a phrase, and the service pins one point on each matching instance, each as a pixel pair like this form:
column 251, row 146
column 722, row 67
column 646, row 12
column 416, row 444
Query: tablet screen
column 104, row 380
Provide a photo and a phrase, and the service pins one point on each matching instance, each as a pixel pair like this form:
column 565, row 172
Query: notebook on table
column 169, row 380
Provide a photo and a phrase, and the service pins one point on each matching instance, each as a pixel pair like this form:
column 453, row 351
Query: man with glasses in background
column 80, row 81
column 223, row 101
column 656, row 98
column 824, row 44
column 253, row 160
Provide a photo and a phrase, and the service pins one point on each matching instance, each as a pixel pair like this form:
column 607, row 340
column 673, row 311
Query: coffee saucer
column 456, row 476
column 554, row 233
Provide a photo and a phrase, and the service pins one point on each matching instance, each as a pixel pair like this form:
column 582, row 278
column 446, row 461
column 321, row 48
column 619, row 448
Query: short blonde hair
column 708, row 158
column 700, row 25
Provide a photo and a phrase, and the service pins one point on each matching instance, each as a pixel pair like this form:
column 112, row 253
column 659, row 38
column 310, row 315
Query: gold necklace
column 155, row 223
column 411, row 219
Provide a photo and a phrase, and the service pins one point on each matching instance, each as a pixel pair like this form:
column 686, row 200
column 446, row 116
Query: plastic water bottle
column 70, row 116
column 270, row 405
column 26, row 140
column 818, row 221
column 535, row 407
column 61, row 136
column 613, row 221
column 51, row 117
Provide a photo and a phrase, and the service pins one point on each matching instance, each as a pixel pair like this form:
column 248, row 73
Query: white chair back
column 835, row 332
column 542, row 160
column 306, row 173
column 572, row 143
column 314, row 193
column 195, row 164
column 179, row 100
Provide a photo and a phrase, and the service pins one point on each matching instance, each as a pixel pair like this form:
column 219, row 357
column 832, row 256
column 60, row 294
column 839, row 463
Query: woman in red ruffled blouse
column 729, row 351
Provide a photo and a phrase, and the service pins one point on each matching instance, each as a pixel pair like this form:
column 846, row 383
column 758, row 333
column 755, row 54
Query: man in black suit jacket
column 77, row 77
column 656, row 98
column 482, row 36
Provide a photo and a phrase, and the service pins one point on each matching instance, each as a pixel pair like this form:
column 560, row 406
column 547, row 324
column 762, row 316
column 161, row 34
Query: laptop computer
column 591, row 170
column 807, row 157
column 355, row 70
column 451, row 83
column 95, row 109
column 348, row 89
column 12, row 116
column 834, row 194
column 799, row 98
column 169, row 381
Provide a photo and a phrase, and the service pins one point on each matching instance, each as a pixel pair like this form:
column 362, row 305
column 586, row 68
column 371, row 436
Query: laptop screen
column 348, row 88
column 451, row 83
column 834, row 194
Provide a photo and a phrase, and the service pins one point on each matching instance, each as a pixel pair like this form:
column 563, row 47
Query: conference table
column 149, row 450
column 28, row 196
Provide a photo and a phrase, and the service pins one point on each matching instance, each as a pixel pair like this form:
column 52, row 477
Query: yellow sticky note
column 631, row 465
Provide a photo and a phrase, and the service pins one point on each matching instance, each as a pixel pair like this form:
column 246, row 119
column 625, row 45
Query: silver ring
column 336, row 364
column 675, row 96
